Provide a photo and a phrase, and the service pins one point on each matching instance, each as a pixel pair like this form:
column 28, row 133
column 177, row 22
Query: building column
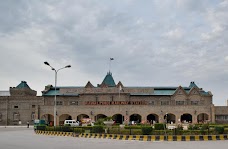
column 143, row 118
column 161, row 118
column 178, row 119
column 212, row 117
column 74, row 117
column 194, row 118
column 126, row 119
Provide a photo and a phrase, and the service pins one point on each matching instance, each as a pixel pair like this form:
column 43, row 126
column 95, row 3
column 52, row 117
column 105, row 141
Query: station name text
column 115, row 103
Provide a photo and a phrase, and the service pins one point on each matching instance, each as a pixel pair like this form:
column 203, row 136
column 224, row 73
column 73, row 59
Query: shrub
column 66, row 124
column 50, row 128
column 98, row 129
column 178, row 130
column 190, row 127
column 204, row 127
column 131, row 131
column 77, row 130
column 109, row 118
column 225, row 130
column 146, row 130
column 132, row 127
column 67, row 129
column 219, row 129
column 136, row 132
column 99, row 122
column 114, row 130
column 159, row 126
column 162, row 132
column 41, row 128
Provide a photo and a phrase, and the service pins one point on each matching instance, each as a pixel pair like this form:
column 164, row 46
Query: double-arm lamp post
column 56, row 71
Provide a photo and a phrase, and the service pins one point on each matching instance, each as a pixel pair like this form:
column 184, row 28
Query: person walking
column 27, row 124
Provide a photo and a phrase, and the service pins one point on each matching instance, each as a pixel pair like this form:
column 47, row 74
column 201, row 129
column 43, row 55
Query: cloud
column 176, row 33
column 165, row 43
column 226, row 58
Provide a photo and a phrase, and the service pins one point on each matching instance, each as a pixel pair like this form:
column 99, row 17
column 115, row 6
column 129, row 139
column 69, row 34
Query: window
column 96, row 98
column 59, row 103
column 221, row 117
column 194, row 102
column 16, row 116
column 151, row 102
column 164, row 102
column 15, row 107
column 33, row 106
column 179, row 102
column 33, row 116
column 73, row 102
column 0, row 117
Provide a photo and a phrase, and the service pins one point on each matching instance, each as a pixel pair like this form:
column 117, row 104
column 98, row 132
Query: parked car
column 71, row 122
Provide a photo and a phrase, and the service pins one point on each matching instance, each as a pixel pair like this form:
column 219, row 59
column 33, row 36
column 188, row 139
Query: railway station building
column 180, row 104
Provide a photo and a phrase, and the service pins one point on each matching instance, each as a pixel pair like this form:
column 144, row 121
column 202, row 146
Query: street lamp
column 56, row 71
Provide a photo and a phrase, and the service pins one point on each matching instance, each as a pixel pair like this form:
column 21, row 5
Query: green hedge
column 132, row 127
column 219, row 129
column 98, row 129
column 131, row 131
column 138, row 130
column 147, row 130
column 159, row 126
column 41, row 128
column 78, row 130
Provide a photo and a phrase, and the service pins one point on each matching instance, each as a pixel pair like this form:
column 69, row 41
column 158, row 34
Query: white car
column 71, row 122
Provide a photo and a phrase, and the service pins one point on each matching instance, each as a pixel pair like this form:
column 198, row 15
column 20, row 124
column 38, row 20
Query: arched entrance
column 152, row 118
column 64, row 117
column 48, row 118
column 170, row 118
column 136, row 118
column 118, row 118
column 81, row 116
column 100, row 116
column 186, row 118
column 202, row 118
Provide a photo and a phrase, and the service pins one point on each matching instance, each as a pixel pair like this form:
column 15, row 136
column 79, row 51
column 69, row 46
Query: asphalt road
column 25, row 138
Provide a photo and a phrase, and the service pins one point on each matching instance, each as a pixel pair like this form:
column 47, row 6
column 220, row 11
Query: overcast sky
column 153, row 43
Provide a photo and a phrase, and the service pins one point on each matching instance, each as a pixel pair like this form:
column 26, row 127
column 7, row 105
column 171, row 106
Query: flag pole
column 110, row 63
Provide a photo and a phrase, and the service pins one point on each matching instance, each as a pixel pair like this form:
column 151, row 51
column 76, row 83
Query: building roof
column 109, row 86
column 158, row 91
column 192, row 84
column 57, row 92
column 108, row 80
column 23, row 85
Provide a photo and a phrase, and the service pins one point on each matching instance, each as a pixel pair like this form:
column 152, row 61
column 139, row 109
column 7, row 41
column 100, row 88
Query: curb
column 138, row 137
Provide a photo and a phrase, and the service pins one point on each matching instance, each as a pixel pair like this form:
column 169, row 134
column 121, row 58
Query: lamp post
column 56, row 71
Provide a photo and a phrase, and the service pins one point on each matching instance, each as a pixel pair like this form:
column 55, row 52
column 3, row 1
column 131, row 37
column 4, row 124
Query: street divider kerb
column 138, row 137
